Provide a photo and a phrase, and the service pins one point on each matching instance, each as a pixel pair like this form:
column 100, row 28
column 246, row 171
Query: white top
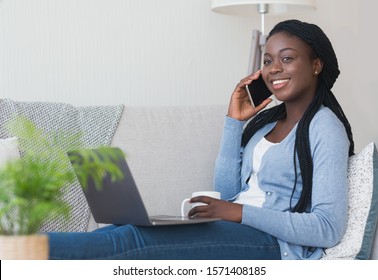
column 254, row 195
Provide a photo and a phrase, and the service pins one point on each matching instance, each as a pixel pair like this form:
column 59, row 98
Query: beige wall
column 167, row 52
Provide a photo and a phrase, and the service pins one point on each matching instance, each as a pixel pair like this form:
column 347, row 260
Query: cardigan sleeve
column 227, row 173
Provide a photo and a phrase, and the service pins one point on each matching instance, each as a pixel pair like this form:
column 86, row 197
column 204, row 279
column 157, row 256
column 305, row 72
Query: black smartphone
column 258, row 91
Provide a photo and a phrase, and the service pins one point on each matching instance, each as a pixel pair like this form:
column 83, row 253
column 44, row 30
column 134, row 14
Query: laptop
column 120, row 202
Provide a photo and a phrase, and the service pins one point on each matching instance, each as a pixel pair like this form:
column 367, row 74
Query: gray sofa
column 171, row 152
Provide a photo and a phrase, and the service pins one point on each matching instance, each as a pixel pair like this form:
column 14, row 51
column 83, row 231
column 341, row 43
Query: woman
column 283, row 176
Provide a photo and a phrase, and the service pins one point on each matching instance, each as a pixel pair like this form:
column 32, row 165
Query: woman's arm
column 229, row 160
column 227, row 176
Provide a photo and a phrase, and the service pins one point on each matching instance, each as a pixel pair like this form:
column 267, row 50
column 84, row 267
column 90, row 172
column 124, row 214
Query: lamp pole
column 258, row 41
column 262, row 9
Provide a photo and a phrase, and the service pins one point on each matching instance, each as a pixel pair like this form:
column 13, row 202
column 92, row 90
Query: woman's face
column 289, row 68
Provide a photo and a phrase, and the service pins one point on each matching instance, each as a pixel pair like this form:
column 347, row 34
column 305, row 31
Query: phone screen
column 258, row 91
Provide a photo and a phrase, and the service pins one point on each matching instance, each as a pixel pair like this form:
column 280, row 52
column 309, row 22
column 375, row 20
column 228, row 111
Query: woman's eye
column 266, row 61
column 287, row 59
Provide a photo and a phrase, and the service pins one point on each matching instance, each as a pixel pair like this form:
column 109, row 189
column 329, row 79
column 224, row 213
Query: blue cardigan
column 300, row 235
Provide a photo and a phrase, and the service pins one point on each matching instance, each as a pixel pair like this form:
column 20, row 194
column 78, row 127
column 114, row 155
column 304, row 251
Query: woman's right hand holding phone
column 240, row 106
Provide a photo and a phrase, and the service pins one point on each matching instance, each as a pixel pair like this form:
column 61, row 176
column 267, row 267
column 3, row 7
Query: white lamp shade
column 250, row 7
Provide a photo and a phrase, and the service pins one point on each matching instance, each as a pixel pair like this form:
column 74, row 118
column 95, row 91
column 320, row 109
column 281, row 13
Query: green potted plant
column 31, row 186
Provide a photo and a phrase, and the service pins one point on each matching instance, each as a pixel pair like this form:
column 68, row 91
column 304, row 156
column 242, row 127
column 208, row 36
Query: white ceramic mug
column 213, row 194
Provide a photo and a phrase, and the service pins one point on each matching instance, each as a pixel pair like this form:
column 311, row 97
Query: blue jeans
column 217, row 240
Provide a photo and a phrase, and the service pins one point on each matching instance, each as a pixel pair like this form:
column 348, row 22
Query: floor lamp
column 262, row 7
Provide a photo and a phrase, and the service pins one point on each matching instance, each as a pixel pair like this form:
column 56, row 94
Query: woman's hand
column 216, row 208
column 240, row 106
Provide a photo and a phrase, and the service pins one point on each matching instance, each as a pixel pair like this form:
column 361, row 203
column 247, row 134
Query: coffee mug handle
column 186, row 200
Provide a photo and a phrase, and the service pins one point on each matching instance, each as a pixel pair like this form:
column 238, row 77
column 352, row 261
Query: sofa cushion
column 96, row 125
column 363, row 207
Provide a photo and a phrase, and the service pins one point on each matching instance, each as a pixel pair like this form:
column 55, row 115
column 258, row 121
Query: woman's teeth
column 277, row 82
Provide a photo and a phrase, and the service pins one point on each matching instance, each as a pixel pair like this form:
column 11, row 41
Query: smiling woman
column 302, row 172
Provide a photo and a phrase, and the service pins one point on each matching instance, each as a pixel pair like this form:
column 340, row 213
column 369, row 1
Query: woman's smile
column 278, row 84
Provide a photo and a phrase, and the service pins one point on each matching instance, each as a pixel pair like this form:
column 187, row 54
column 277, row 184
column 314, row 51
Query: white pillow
column 8, row 150
column 363, row 207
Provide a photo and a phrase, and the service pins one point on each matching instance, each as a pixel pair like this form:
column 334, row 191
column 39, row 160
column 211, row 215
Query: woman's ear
column 317, row 66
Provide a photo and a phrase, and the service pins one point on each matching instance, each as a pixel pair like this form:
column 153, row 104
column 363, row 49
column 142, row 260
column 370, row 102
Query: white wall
column 166, row 52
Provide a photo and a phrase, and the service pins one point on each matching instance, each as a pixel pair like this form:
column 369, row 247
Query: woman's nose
column 275, row 67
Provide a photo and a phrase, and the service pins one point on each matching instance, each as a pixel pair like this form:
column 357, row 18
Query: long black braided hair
column 322, row 48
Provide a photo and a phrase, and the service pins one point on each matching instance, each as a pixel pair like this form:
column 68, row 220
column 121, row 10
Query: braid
column 322, row 47
column 330, row 101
